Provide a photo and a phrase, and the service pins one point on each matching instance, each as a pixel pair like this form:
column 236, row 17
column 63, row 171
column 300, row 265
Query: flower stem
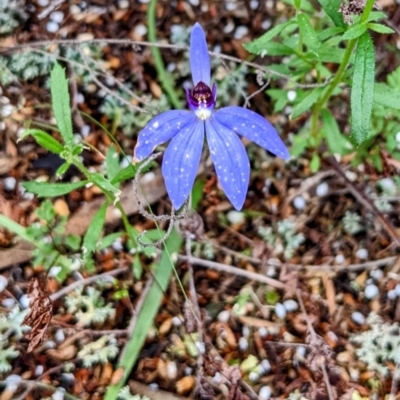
column 163, row 75
column 339, row 74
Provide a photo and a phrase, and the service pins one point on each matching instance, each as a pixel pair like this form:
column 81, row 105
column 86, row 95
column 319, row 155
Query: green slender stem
column 339, row 74
column 163, row 76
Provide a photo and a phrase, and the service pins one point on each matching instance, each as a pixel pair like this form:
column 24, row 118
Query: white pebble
column 172, row 370
column 263, row 331
column 392, row 295
column 6, row 110
column 80, row 98
column 140, row 30
column 3, row 283
column 24, row 301
column 371, row 291
column 229, row 27
column 52, row 27
column 362, row 254
column 301, row 351
column 176, row 321
column 194, row 3
column 265, row 393
column 235, row 217
column 322, row 189
column 246, row 331
column 376, row 274
column 39, row 370
column 8, row 303
column 43, row 3
column 254, row 4
column 57, row 16
column 351, row 176
column 291, row 95
column 299, row 203
column 358, row 318
column 54, row 271
column 224, row 316
column 290, row 305
column 253, row 376
column 85, row 130
column 12, row 381
column 123, row 4
column 280, row 310
column 188, row 371
column 217, row 378
column 74, row 9
column 339, row 259
column 388, row 186
column 264, row 367
column 230, row 5
column 59, row 336
column 153, row 386
column 9, row 183
column 271, row 271
column 266, row 24
column 241, row 32
column 243, row 343
column 201, row 347
column 59, row 394
column 397, row 289
column 117, row 245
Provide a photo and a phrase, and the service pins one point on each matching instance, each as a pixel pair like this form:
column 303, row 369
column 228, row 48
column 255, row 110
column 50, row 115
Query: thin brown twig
column 327, row 383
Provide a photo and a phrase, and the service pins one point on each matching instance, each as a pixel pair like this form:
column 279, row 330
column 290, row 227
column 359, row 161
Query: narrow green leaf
column 45, row 189
column 62, row 170
column 259, row 45
column 362, row 90
column 112, row 162
column 355, row 31
column 337, row 143
column 315, row 163
column 44, row 140
column 329, row 32
column 308, row 34
column 16, row 228
column 386, row 96
column 306, row 103
column 123, row 175
column 380, row 28
column 103, row 183
column 297, row 4
column 331, row 7
column 108, row 240
column 94, row 231
column 61, row 104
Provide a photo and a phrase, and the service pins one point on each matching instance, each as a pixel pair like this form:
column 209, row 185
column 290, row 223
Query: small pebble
column 230, row 5
column 265, row 393
column 280, row 310
column 39, row 370
column 188, row 371
column 241, row 32
column 194, row 3
column 362, row 254
column 235, row 217
column 371, row 291
column 59, row 336
column 392, row 295
column 123, row 4
column 217, row 378
column 74, row 9
column 299, row 203
column 388, row 186
column 290, row 305
column 322, row 189
column 24, row 301
column 140, row 30
column 176, row 321
column 264, row 367
column 339, row 259
column 52, row 27
column 6, row 110
column 301, row 351
column 291, row 95
column 243, row 344
column 153, row 386
column 201, row 346
column 376, row 274
column 253, row 376
column 117, row 244
column 246, row 331
column 57, row 16
column 397, row 289
column 54, row 271
column 358, row 318
column 263, row 332
column 254, row 4
column 8, row 303
column 80, row 98
column 172, row 370
column 271, row 271
column 3, row 283
column 43, row 3
column 266, row 24
column 59, row 394
column 229, row 27
column 12, row 382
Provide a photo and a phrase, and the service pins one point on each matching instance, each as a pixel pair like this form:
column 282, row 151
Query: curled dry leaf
column 40, row 312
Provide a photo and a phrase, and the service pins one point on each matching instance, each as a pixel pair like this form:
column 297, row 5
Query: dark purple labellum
column 200, row 97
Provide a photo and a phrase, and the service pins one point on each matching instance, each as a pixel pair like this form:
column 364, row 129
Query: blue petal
column 161, row 129
column 181, row 161
column 230, row 160
column 254, row 127
column 198, row 56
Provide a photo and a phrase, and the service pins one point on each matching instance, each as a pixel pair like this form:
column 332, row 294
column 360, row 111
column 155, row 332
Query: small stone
column 265, row 393
column 85, row 130
column 290, row 305
column 280, row 310
column 241, row 32
column 266, row 24
column 176, row 321
column 6, row 110
column 123, row 4
column 246, row 331
column 39, row 370
column 74, row 9
column 371, row 291
column 8, row 303
column 80, row 98
column 52, row 27
column 299, row 203
column 388, row 186
column 57, row 16
column 54, row 271
column 301, row 351
column 172, row 370
column 254, row 4
column 229, row 27
column 263, row 332
column 59, row 336
column 376, row 274
column 9, row 183
column 3, row 283
column 194, row 3
column 243, row 344
column 224, row 316
column 339, row 259
column 264, row 367
column 253, row 376
column 291, row 95
column 358, row 318
column 43, row 3
column 24, row 301
column 362, row 254
column 392, row 295
column 397, row 289
column 322, row 189
column 140, row 30
column 230, row 5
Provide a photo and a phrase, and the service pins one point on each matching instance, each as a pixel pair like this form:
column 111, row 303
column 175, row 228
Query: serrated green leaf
column 380, row 28
column 337, row 143
column 362, row 91
column 44, row 139
column 329, row 32
column 45, row 189
column 308, row 34
column 94, row 231
column 112, row 162
column 103, row 183
column 62, row 170
column 306, row 103
column 386, row 96
column 355, row 31
column 331, row 7
column 259, row 45
column 61, row 104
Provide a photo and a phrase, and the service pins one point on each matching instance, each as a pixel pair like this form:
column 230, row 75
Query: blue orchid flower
column 186, row 131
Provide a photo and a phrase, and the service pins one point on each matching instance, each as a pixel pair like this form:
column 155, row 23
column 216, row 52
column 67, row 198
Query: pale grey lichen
column 99, row 351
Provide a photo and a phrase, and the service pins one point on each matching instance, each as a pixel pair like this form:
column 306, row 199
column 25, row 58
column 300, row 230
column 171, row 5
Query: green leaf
column 45, row 189
column 362, row 91
column 128, row 172
column 259, row 45
column 337, row 143
column 315, row 163
column 331, row 7
column 380, row 28
column 297, row 4
column 94, row 231
column 355, row 31
column 329, row 32
column 108, row 240
column 61, row 104
column 308, row 34
column 103, row 183
column 386, row 96
column 62, row 169
column 44, row 139
column 306, row 103
column 112, row 162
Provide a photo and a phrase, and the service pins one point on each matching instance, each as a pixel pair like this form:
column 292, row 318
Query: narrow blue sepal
column 230, row 160
column 198, row 56
column 181, row 162
column 254, row 127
